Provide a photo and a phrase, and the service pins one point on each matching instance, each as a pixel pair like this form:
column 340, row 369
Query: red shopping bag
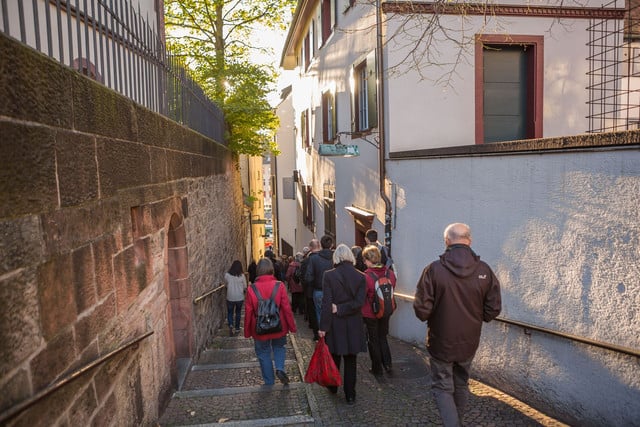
column 322, row 369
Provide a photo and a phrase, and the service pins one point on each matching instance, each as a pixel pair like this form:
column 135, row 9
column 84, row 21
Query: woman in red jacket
column 377, row 329
column 275, row 342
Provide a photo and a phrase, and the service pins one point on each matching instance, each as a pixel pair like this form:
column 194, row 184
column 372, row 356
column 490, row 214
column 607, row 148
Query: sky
column 275, row 40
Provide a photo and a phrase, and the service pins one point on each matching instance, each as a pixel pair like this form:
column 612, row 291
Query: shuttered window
column 508, row 88
column 364, row 95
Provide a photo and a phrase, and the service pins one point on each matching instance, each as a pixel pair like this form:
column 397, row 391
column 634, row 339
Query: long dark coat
column 345, row 287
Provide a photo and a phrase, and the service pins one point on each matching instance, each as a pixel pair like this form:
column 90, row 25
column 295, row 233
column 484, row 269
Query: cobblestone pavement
column 225, row 387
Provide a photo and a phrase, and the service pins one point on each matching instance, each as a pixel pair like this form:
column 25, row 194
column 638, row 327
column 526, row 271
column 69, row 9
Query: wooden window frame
column 329, row 117
column 534, row 86
column 369, row 101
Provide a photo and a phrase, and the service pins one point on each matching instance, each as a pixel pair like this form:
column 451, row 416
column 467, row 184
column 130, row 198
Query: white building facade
column 481, row 119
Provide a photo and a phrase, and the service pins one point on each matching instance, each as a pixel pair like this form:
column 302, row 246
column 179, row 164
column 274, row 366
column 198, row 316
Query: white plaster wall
column 286, row 164
column 423, row 113
column 355, row 179
column 562, row 232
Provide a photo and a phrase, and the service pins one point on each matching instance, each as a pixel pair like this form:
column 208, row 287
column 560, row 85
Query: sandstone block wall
column 113, row 220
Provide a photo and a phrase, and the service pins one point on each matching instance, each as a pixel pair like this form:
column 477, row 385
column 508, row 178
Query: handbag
column 322, row 369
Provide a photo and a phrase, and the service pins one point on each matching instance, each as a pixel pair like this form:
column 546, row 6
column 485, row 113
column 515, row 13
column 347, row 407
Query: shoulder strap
column 275, row 291
column 255, row 291
column 373, row 276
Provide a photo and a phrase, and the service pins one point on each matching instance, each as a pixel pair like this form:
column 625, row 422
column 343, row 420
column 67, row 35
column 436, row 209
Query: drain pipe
column 382, row 130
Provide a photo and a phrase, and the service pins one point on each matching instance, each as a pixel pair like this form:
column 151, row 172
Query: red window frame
column 534, row 86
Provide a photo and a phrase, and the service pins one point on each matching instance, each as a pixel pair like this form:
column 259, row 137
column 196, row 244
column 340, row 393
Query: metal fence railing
column 119, row 43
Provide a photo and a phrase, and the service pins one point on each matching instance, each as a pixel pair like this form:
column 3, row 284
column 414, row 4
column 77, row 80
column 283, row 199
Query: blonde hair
column 372, row 254
column 343, row 253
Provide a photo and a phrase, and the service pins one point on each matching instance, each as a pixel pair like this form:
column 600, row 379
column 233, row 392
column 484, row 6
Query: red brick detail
column 130, row 277
column 17, row 389
column 105, row 415
column 59, row 354
column 83, row 408
column 83, row 278
column 109, row 374
column 177, row 234
column 103, row 251
column 178, row 263
column 56, row 295
column 89, row 327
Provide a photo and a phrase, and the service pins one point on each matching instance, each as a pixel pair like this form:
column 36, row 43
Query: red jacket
column 265, row 285
column 293, row 286
column 379, row 271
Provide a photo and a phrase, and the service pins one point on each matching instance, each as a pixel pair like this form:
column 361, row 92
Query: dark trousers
column 297, row 302
column 310, row 309
column 379, row 351
column 234, row 312
column 348, row 374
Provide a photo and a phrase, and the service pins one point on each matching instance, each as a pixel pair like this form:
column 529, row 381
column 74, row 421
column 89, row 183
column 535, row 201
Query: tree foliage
column 217, row 40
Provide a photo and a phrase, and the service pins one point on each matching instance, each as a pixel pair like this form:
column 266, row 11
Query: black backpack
column 268, row 314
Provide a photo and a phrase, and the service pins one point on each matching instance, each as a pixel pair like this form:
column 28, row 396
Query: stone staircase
column 226, row 387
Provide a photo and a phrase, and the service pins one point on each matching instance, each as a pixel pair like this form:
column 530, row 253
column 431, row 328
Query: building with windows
column 408, row 116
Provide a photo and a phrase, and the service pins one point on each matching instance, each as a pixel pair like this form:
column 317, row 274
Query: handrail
column 22, row 406
column 526, row 326
column 206, row 294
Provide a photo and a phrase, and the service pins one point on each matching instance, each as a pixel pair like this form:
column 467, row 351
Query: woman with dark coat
column 344, row 290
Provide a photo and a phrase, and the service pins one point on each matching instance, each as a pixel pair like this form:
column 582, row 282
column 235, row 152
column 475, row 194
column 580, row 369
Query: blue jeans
column 231, row 306
column 450, row 388
column 263, row 352
column 317, row 303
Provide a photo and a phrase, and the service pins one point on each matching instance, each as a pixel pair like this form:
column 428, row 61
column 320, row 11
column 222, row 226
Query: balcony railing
column 120, row 46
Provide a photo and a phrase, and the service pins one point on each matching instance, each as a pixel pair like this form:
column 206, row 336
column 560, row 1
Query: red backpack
column 384, row 303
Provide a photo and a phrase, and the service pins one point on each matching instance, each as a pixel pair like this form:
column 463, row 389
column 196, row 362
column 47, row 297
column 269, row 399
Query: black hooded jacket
column 318, row 264
column 454, row 295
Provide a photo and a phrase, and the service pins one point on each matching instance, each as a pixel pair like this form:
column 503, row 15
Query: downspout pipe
column 382, row 129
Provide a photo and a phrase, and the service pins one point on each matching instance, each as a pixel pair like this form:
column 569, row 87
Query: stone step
column 234, row 355
column 231, row 375
column 246, row 406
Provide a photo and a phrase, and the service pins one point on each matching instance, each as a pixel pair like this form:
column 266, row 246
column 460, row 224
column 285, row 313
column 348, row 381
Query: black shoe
column 333, row 389
column 230, row 331
column 376, row 373
column 351, row 400
column 388, row 369
column 282, row 376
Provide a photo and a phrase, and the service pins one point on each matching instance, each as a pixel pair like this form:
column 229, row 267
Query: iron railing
column 529, row 327
column 120, row 46
column 24, row 405
column 614, row 70
column 206, row 294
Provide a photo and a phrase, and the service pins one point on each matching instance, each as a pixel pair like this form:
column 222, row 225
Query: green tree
column 216, row 39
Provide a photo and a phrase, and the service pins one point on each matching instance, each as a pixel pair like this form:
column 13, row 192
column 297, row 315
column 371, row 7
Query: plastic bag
column 322, row 369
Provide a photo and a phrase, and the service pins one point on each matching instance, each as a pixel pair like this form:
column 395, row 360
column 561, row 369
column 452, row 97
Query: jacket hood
column 460, row 260
column 326, row 254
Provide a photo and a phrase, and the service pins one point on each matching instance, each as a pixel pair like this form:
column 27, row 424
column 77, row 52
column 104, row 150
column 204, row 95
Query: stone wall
column 113, row 220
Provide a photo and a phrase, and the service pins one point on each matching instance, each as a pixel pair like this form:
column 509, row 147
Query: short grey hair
column 343, row 253
column 264, row 267
column 457, row 231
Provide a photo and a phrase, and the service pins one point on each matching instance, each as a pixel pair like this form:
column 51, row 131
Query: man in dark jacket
column 318, row 264
column 454, row 295
column 307, row 288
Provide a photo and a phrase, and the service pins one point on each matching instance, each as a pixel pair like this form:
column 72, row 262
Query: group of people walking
column 335, row 289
